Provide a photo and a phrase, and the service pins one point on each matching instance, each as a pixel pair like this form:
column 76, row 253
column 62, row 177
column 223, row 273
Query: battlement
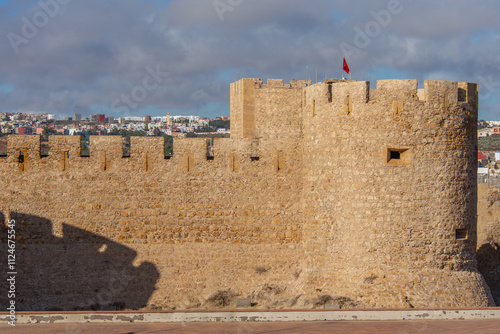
column 454, row 91
column 146, row 154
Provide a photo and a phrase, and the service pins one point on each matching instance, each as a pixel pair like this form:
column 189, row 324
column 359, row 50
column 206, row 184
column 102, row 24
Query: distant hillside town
column 99, row 124
column 488, row 152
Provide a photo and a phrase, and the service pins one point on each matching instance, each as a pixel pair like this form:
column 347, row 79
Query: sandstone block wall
column 322, row 191
column 227, row 223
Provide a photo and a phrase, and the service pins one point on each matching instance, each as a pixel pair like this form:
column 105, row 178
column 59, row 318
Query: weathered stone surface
column 301, row 202
column 488, row 237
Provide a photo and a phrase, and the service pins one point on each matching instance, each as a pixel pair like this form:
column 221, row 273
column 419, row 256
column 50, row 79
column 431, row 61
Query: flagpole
column 343, row 69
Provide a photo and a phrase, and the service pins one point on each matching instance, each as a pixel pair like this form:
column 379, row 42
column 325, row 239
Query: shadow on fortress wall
column 488, row 264
column 80, row 271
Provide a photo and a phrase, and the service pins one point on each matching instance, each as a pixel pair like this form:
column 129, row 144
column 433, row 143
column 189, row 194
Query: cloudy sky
column 138, row 57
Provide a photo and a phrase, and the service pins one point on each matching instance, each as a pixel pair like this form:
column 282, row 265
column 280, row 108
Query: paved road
column 403, row 327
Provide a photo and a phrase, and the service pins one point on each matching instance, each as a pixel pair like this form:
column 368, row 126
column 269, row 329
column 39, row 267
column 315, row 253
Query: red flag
column 346, row 68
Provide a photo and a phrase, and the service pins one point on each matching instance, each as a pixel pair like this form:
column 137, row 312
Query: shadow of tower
column 488, row 264
column 80, row 271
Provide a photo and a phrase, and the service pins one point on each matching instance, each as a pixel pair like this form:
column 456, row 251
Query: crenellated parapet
column 147, row 154
column 434, row 91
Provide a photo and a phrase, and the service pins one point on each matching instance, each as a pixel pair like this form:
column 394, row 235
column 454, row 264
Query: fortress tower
column 388, row 184
column 327, row 189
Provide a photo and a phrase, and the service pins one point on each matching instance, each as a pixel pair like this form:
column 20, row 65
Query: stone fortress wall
column 488, row 236
column 331, row 189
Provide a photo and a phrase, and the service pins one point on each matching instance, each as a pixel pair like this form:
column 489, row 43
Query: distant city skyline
column 153, row 117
